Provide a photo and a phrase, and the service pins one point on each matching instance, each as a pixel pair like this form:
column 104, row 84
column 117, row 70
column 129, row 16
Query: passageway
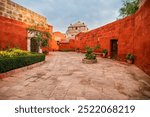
column 64, row 77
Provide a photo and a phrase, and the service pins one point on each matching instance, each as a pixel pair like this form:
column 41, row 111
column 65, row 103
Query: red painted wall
column 12, row 33
column 141, row 37
column 67, row 45
column 122, row 30
column 64, row 46
column 132, row 33
column 58, row 36
column 53, row 45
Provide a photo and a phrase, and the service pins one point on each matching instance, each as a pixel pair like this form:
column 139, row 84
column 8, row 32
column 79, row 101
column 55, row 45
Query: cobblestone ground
column 64, row 77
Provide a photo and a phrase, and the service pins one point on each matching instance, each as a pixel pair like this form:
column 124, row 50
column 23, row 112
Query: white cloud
column 61, row 13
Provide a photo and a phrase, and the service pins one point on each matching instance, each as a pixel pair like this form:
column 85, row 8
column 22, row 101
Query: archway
column 32, row 45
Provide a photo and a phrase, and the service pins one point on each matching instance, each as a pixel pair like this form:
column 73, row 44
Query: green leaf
column 129, row 7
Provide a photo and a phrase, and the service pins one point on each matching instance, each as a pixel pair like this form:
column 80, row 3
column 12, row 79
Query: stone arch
column 30, row 36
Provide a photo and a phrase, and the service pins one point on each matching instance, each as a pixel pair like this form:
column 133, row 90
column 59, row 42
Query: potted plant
column 90, row 57
column 105, row 52
column 130, row 58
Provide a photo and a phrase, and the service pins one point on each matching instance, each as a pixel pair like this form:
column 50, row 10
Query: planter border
column 9, row 73
column 86, row 61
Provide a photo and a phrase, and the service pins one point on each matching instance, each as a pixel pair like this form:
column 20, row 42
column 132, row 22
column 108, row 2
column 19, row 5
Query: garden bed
column 14, row 59
column 14, row 71
column 86, row 61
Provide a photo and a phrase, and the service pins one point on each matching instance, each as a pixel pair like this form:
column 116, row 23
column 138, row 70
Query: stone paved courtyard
column 64, row 77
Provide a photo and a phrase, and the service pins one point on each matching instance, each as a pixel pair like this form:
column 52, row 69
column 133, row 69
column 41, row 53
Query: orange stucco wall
column 12, row 33
column 64, row 46
column 57, row 37
column 132, row 33
column 141, row 35
column 121, row 30
column 60, row 36
column 53, row 45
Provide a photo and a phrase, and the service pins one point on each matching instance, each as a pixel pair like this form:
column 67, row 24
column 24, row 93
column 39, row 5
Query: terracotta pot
column 86, row 61
column 129, row 61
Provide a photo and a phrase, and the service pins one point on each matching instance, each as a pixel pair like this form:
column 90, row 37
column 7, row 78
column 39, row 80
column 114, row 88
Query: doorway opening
column 114, row 48
column 34, row 45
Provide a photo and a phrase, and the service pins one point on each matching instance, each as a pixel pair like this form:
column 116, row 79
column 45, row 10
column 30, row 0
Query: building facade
column 14, row 22
column 124, row 36
column 12, row 10
column 75, row 29
column 58, row 36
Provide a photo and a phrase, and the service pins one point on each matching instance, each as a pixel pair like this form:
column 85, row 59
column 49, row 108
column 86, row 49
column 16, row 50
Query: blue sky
column 61, row 13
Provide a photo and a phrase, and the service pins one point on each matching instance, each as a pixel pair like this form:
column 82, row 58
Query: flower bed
column 15, row 58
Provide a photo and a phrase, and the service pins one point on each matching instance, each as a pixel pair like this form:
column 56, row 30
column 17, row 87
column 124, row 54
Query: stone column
column 28, row 44
column 40, row 50
column 29, row 36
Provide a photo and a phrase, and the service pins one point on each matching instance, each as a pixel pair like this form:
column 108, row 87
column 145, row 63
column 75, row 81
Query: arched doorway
column 34, row 45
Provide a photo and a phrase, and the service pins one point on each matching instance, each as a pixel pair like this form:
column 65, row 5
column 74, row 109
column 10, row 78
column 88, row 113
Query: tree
column 129, row 7
column 42, row 38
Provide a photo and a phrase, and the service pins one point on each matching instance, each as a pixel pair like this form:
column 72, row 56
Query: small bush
column 13, row 52
column 89, row 53
column 105, row 51
column 16, row 58
column 90, row 56
column 130, row 56
column 7, row 64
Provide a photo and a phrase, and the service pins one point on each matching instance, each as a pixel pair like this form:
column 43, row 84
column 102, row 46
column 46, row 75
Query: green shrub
column 13, row 52
column 105, row 51
column 89, row 52
column 10, row 63
column 90, row 56
column 130, row 56
column 44, row 43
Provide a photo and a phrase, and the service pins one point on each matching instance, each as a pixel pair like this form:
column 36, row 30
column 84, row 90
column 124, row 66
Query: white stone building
column 75, row 29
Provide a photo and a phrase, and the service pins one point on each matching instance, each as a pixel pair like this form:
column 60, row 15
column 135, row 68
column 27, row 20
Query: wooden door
column 114, row 48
